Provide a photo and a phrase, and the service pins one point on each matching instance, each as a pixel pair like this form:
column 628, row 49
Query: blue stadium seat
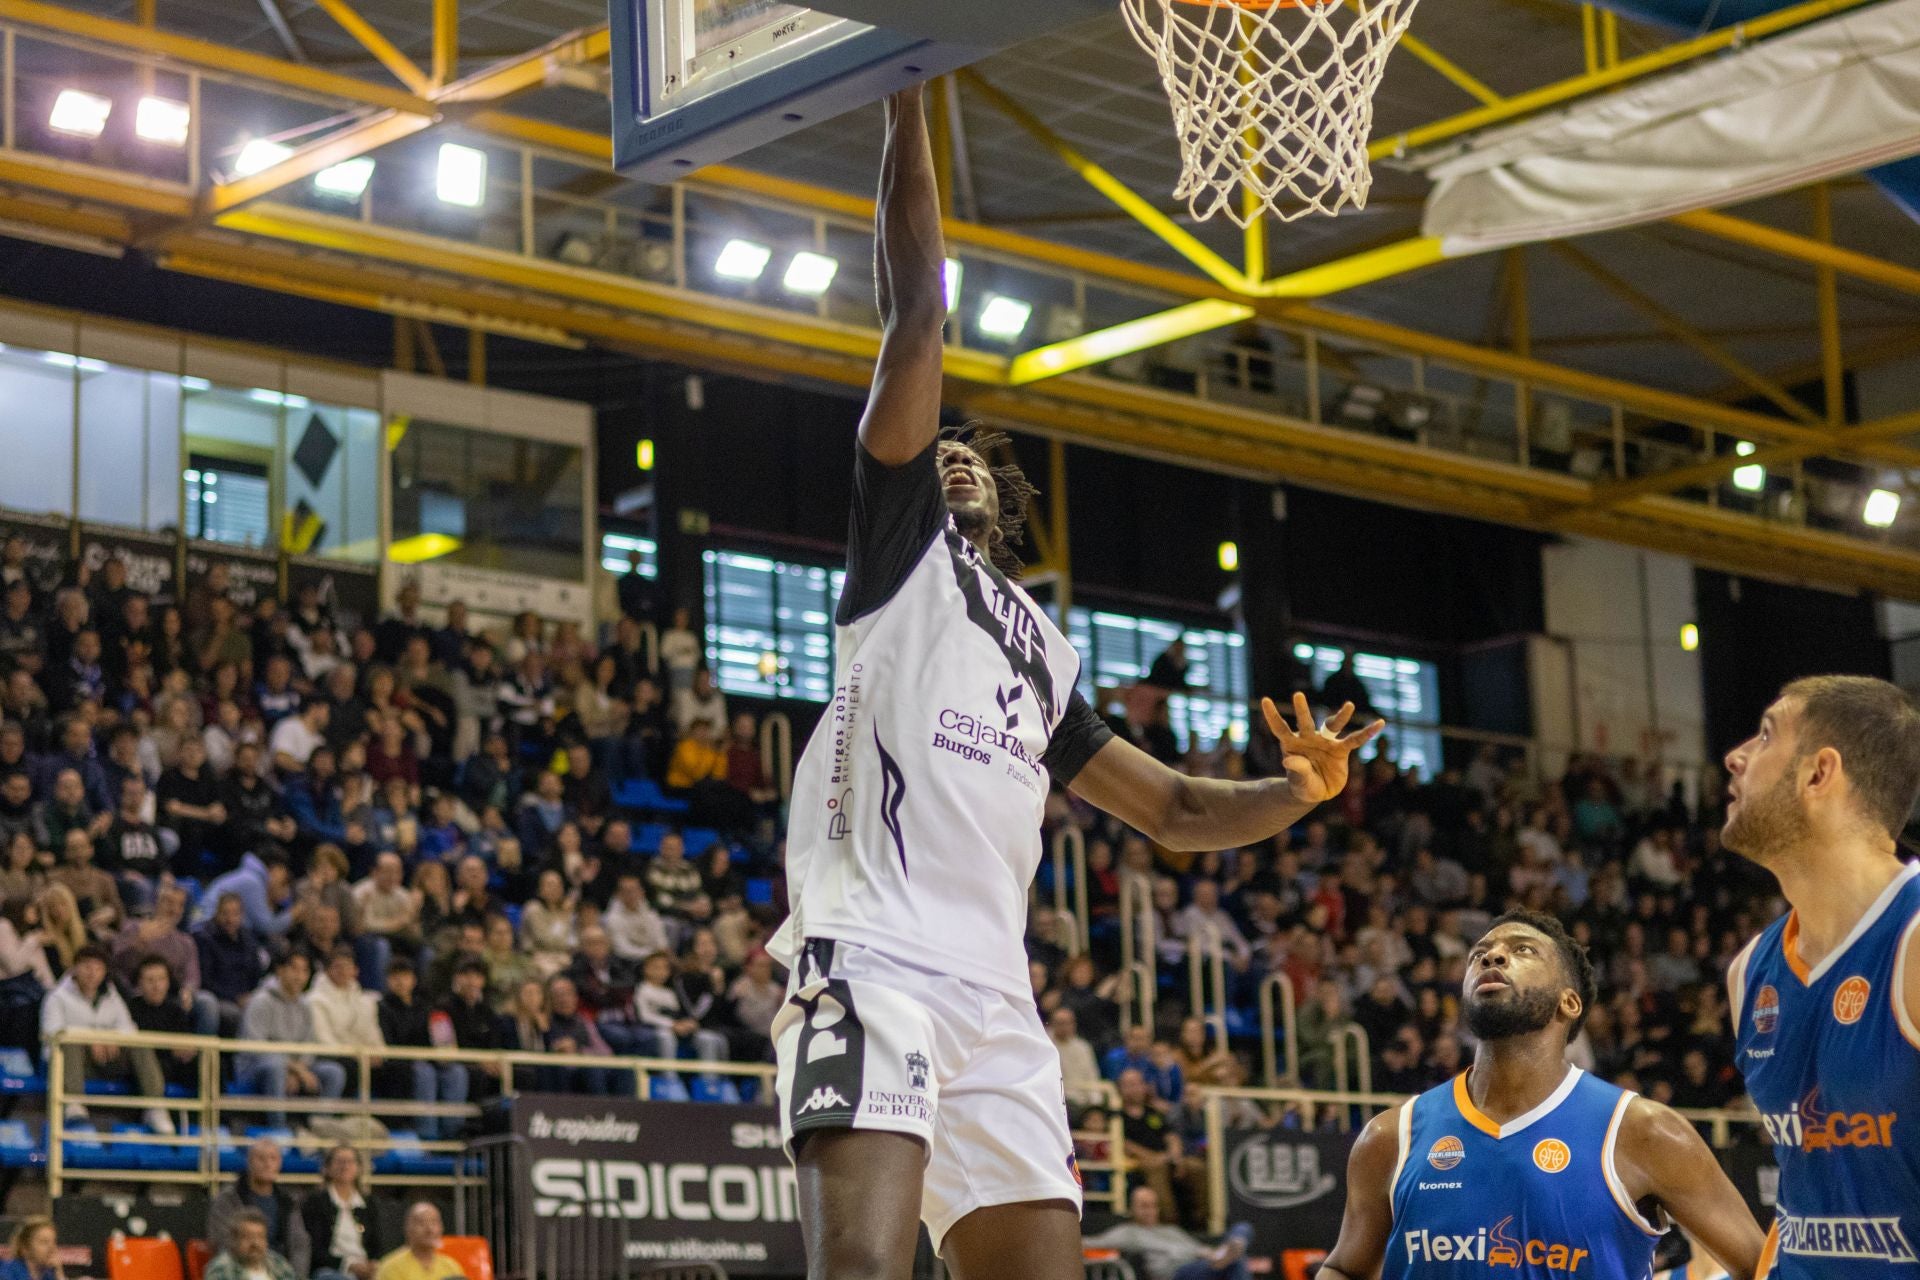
column 511, row 910
column 181, row 1091
column 20, row 1148
column 109, row 1088
column 233, row 1152
column 644, row 794
column 748, row 1088
column 85, row 1150
column 699, row 840
column 405, row 1156
column 759, row 892
column 242, row 1088
column 647, row 837
column 1242, row 1022
column 172, row 1159
column 17, row 1074
column 668, row 1088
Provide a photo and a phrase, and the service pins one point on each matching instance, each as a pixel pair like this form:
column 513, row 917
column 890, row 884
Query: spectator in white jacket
column 1079, row 1070
column 632, row 925
column 85, row 1000
column 344, row 1012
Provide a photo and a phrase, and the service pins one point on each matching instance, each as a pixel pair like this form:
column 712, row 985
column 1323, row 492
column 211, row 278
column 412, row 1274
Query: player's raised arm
column 909, row 260
column 1185, row 813
column 1662, row 1157
column 1368, row 1221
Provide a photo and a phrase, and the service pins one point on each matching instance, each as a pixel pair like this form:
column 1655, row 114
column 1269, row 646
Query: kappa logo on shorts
column 916, row 1070
column 825, row 1098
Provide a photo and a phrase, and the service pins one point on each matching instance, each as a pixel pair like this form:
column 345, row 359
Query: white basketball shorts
column 866, row 1041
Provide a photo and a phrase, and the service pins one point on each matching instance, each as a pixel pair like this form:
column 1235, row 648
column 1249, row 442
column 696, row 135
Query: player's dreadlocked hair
column 1573, row 958
column 1016, row 494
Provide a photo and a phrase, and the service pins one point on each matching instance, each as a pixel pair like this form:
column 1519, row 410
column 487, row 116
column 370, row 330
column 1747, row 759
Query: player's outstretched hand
column 1315, row 758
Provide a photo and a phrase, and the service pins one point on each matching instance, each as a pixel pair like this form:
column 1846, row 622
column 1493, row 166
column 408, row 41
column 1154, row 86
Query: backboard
column 696, row 82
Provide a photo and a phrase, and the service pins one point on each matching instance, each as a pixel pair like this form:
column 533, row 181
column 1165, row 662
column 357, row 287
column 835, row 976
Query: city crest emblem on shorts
column 916, row 1070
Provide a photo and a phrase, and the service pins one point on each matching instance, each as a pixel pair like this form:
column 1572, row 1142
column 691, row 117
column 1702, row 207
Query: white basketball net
column 1273, row 99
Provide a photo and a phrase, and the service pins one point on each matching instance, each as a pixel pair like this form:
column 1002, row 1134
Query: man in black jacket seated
column 406, row 1021
column 343, row 1232
column 475, row 1025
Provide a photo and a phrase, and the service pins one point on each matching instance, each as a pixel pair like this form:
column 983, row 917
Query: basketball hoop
column 1272, row 97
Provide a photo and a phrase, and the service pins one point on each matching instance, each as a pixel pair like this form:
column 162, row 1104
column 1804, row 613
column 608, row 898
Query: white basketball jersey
column 917, row 805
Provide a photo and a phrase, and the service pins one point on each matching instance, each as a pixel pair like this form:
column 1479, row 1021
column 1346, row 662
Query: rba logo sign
column 1278, row 1175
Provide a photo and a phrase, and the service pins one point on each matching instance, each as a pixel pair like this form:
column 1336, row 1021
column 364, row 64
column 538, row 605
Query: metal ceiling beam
column 1805, row 248
column 502, row 80
column 446, row 41
column 420, row 277
column 1691, row 337
column 382, row 49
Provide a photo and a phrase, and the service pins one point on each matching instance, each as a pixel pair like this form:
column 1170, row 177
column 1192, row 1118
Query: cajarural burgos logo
column 1279, row 1175
column 667, row 1191
column 1496, row 1246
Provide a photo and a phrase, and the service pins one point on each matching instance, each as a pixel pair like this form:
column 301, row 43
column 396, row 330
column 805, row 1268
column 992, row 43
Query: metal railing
column 213, row 1101
column 1288, row 1029
column 1139, row 950
column 1310, row 1104
column 1207, row 979
column 1069, row 858
column 1361, row 1059
column 776, row 752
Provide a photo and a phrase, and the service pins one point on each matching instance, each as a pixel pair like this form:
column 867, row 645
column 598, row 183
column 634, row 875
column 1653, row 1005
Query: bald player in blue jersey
column 1826, row 1001
column 1524, row 1163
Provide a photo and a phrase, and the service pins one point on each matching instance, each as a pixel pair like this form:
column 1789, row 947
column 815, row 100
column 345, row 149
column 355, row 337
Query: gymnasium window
column 227, row 501
column 770, row 625
column 1405, row 693
column 1119, row 649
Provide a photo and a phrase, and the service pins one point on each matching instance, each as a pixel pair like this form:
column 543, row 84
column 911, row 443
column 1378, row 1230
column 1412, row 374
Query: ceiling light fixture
column 810, row 274
column 741, row 260
column 162, row 120
column 259, row 154
column 348, row 179
column 79, row 113
column 1004, row 318
column 462, row 175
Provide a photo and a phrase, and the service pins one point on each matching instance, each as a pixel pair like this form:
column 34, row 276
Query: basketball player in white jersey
column 916, row 1082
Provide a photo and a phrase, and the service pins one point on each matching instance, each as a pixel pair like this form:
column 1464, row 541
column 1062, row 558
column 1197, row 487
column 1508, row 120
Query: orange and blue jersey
column 1536, row 1197
column 1832, row 1062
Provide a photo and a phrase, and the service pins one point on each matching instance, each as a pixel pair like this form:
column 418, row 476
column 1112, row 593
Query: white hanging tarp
column 1830, row 99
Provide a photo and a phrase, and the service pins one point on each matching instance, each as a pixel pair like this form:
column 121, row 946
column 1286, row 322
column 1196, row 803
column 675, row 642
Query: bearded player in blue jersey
column 1826, row 1002
column 1527, row 1164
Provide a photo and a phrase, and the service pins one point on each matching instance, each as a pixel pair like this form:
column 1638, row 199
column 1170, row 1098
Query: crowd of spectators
column 278, row 824
column 287, row 826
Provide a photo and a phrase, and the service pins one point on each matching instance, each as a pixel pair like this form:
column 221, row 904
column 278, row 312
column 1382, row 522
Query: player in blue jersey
column 1826, row 1001
column 1524, row 1163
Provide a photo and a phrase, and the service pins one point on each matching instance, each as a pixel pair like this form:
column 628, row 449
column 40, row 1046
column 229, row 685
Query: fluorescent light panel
column 1751, row 478
column 810, row 273
column 742, row 260
column 79, row 113
column 259, row 154
column 462, row 175
column 162, row 120
column 1004, row 317
column 348, row 178
column 1882, row 506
